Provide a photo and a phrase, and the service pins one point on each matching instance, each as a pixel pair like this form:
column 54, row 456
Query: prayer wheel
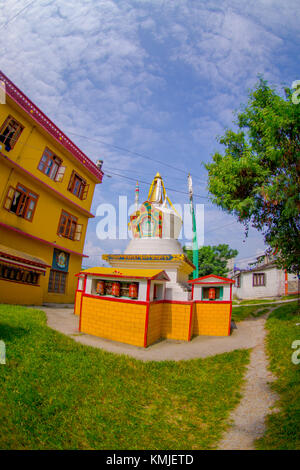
column 116, row 289
column 133, row 290
column 100, row 288
column 212, row 293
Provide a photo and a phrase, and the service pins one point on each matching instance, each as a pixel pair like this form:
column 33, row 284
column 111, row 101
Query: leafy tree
column 212, row 259
column 258, row 177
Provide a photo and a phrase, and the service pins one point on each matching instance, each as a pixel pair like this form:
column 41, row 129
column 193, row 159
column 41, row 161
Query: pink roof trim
column 35, row 113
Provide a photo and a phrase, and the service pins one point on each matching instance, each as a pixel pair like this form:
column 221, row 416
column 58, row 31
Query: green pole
column 195, row 246
column 195, row 241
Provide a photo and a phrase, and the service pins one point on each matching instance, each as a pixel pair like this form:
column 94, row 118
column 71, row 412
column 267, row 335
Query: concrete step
column 185, row 286
column 174, row 291
column 56, row 305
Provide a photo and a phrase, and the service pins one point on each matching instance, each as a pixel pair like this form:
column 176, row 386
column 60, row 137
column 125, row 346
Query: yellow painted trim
column 127, row 272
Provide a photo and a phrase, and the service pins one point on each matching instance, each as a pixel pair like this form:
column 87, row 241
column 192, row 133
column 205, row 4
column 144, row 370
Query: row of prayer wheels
column 116, row 289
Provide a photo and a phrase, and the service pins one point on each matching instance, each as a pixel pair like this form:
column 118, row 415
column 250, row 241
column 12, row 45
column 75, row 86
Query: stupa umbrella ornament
column 194, row 228
column 157, row 191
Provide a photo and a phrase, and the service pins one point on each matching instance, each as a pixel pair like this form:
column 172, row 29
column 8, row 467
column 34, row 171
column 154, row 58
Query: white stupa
column 155, row 227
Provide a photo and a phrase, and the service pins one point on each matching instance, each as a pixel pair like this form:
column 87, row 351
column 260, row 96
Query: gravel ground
column 248, row 419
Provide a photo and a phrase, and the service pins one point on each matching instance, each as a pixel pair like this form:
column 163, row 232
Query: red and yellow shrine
column 146, row 296
column 129, row 306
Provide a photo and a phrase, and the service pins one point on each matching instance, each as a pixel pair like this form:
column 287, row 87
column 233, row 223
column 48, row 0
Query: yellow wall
column 211, row 319
column 77, row 303
column 45, row 252
column 154, row 322
column 118, row 321
column 175, row 321
column 30, row 295
column 172, row 320
column 125, row 322
column 46, row 217
column 30, row 146
column 4, row 175
column 27, row 153
column 168, row 320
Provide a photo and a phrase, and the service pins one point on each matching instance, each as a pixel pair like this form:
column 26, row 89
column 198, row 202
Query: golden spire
column 157, row 192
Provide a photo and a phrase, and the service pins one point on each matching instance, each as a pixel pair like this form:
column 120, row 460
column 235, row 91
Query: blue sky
column 159, row 78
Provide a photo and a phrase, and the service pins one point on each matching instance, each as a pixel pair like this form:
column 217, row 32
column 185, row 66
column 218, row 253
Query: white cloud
column 160, row 78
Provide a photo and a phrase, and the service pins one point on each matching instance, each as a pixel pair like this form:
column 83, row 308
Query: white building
column 265, row 280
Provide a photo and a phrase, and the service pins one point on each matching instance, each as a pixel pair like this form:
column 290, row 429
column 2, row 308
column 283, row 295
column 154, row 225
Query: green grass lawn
column 58, row 394
column 287, row 297
column 259, row 301
column 243, row 312
column 254, row 301
column 283, row 428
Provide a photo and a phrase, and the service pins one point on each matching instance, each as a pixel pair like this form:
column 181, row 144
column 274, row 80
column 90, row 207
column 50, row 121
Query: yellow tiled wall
column 118, row 321
column 211, row 319
column 168, row 320
column 125, row 322
column 154, row 322
column 175, row 321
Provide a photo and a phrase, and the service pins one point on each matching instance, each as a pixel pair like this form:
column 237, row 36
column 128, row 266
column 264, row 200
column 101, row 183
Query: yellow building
column 46, row 189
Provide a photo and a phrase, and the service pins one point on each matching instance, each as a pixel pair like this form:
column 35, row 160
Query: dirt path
column 249, row 417
column 246, row 336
